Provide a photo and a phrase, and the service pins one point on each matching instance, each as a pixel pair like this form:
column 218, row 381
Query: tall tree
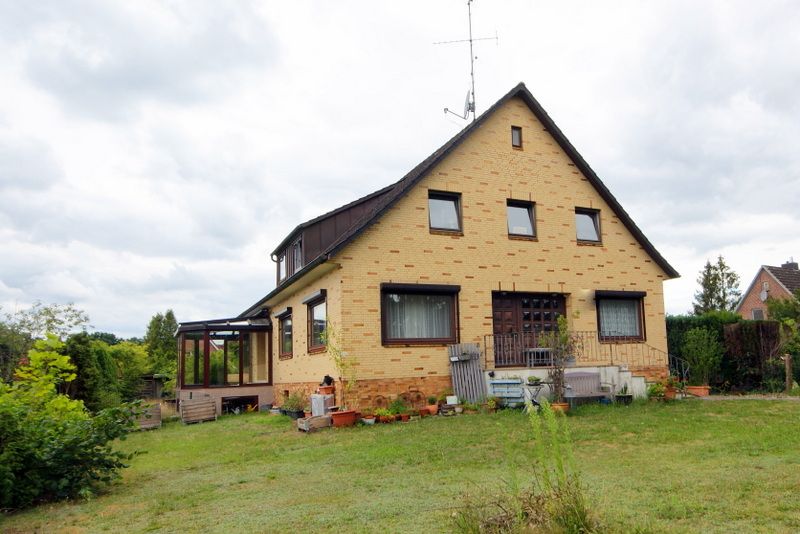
column 162, row 347
column 719, row 288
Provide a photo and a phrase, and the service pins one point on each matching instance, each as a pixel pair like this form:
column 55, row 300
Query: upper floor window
column 444, row 211
column 297, row 256
column 520, row 218
column 281, row 267
column 587, row 225
column 758, row 314
column 516, row 137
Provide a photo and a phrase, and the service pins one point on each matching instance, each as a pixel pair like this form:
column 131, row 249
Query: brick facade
column 751, row 300
column 486, row 171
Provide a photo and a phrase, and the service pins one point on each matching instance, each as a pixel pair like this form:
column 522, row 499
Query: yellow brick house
column 487, row 241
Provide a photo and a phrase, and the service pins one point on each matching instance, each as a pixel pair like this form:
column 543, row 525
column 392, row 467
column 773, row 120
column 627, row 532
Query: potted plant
column 293, row 405
column 345, row 365
column 307, row 411
column 622, row 396
column 399, row 409
column 655, row 391
column 562, row 346
column 703, row 352
column 367, row 417
column 492, row 404
column 470, row 408
column 327, row 386
column 384, row 415
column 534, row 380
column 433, row 406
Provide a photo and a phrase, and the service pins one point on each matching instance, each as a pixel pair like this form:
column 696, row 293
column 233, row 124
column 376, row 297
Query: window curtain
column 418, row 316
column 619, row 318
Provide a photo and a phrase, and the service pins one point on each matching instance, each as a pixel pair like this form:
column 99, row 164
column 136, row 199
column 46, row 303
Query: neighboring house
column 769, row 282
column 489, row 240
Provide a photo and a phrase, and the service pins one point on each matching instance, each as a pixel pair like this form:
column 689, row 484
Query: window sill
column 519, row 148
column 582, row 243
column 285, row 356
column 621, row 340
column 519, row 237
column 317, row 350
column 420, row 343
column 439, row 231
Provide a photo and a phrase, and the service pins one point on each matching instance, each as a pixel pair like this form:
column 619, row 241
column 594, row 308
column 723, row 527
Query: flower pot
column 459, row 408
column 327, row 390
column 368, row 419
column 423, row 412
column 470, row 411
column 433, row 408
column 698, row 391
column 562, row 407
column 345, row 418
column 386, row 419
column 404, row 417
column 306, row 413
column 670, row 393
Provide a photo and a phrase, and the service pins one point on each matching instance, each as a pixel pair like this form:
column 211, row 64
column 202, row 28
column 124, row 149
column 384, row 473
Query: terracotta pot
column 307, row 414
column 404, row 417
column 670, row 393
column 433, row 408
column 562, row 407
column 345, row 418
column 470, row 411
column 424, row 412
column 386, row 418
column 698, row 391
column 327, row 390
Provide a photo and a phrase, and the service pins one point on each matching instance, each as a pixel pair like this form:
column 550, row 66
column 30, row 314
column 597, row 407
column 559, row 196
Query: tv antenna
column 469, row 103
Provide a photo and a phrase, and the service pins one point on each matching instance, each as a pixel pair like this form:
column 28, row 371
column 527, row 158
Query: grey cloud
column 105, row 60
column 26, row 164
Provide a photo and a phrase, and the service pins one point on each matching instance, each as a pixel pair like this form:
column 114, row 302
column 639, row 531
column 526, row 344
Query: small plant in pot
column 623, row 396
column 492, row 404
column 367, row 417
column 293, row 405
column 562, row 345
column 346, row 367
column 433, row 406
column 534, row 380
column 384, row 415
column 703, row 352
column 399, row 409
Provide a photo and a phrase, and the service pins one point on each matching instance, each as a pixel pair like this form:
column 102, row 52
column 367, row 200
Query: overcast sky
column 152, row 154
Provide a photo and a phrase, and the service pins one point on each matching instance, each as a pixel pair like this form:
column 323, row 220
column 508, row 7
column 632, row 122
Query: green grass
column 690, row 466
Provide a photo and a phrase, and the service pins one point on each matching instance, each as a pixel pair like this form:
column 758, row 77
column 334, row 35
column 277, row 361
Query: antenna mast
column 469, row 105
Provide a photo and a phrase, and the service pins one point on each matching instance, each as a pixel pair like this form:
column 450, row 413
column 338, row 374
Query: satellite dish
column 466, row 105
column 763, row 295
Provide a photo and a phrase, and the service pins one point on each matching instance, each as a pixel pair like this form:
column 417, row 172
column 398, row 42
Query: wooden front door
column 526, row 313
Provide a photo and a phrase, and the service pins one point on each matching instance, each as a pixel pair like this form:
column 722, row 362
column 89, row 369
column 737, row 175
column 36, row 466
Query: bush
column 704, row 353
column 679, row 325
column 51, row 448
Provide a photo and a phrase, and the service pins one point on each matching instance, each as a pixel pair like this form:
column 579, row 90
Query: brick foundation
column 650, row 372
column 378, row 393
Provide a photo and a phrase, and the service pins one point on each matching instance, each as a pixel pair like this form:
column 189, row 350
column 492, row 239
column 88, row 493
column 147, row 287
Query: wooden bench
column 198, row 410
column 582, row 387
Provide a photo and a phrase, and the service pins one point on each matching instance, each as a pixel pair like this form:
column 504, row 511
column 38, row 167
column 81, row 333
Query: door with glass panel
column 518, row 322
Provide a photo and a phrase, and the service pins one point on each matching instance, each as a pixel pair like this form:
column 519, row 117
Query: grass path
column 690, row 466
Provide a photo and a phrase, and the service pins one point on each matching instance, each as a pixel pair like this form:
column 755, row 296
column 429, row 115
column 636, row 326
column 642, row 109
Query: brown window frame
column 638, row 297
column 311, row 302
column 446, row 196
column 283, row 316
column 595, row 214
column 753, row 314
column 531, row 207
column 420, row 289
column 516, row 129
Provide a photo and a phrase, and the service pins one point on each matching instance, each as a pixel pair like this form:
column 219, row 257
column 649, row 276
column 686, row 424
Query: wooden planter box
column 150, row 418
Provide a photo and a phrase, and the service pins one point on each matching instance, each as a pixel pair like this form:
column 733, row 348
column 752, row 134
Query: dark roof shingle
column 789, row 277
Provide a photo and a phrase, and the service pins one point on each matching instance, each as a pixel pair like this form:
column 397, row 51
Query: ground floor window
column 223, row 358
column 317, row 320
column 419, row 313
column 619, row 315
column 285, row 335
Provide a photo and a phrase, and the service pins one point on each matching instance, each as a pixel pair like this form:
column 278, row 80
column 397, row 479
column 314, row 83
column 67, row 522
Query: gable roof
column 788, row 277
column 395, row 192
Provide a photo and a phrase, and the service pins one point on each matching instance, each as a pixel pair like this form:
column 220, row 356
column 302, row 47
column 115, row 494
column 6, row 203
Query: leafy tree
column 161, row 345
column 130, row 360
column 51, row 448
column 106, row 337
column 704, row 353
column 719, row 288
column 20, row 329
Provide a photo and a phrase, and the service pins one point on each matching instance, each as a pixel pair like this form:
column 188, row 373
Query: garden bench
column 582, row 387
column 150, row 417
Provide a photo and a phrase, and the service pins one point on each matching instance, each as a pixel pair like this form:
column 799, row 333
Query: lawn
column 690, row 466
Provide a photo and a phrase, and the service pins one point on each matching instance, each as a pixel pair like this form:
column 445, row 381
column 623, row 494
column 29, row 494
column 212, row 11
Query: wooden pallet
column 310, row 424
column 151, row 417
column 198, row 410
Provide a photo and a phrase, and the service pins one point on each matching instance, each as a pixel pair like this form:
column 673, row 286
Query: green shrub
column 51, row 448
column 703, row 351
